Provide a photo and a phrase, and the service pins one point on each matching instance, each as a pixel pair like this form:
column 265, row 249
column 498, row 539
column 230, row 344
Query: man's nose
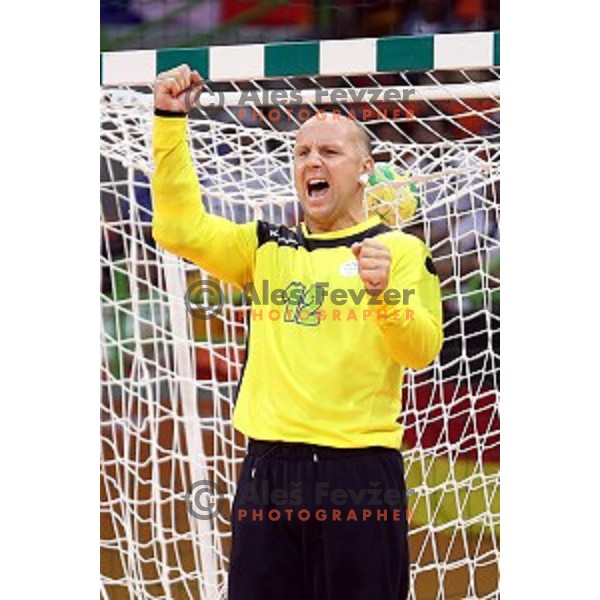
column 313, row 159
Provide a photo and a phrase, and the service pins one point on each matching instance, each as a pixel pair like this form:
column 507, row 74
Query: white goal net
column 168, row 381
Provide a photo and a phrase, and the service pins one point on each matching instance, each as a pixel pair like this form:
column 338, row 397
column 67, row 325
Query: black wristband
column 159, row 112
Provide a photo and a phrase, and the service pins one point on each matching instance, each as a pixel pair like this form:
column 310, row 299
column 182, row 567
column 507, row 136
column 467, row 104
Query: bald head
column 356, row 130
column 331, row 159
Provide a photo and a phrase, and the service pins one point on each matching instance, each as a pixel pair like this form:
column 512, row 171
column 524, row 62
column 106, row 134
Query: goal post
column 431, row 107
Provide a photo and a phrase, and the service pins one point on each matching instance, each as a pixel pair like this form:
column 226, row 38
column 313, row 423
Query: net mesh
column 168, row 380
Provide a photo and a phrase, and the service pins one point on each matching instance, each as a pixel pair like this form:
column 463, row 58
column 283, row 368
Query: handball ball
column 391, row 203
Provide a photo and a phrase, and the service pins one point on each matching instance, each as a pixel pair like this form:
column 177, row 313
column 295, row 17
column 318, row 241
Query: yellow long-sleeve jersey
column 325, row 360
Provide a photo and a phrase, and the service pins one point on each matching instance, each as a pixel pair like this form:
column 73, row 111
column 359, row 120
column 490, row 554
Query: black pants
column 317, row 523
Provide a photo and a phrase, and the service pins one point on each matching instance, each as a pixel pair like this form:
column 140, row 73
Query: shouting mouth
column 317, row 188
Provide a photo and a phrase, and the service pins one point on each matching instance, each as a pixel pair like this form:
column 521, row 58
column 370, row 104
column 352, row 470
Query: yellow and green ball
column 391, row 203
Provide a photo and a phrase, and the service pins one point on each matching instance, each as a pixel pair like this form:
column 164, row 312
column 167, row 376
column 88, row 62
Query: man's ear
column 368, row 165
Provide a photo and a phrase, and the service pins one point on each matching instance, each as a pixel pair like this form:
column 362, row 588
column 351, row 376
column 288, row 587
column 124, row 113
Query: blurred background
column 140, row 24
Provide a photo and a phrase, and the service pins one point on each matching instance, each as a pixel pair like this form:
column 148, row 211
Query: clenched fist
column 374, row 260
column 175, row 90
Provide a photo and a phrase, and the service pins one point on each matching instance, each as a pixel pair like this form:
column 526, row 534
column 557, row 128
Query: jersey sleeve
column 180, row 223
column 413, row 331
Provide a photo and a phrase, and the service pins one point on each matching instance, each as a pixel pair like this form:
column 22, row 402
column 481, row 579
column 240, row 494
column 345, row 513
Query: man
column 320, row 394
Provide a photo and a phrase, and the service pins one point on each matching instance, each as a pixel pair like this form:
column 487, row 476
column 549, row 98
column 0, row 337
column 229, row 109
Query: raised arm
column 413, row 334
column 180, row 222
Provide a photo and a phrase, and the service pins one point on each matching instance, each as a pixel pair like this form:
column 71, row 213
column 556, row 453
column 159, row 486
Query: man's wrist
column 161, row 112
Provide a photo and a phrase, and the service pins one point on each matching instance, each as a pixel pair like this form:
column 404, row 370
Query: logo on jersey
column 349, row 268
column 303, row 304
